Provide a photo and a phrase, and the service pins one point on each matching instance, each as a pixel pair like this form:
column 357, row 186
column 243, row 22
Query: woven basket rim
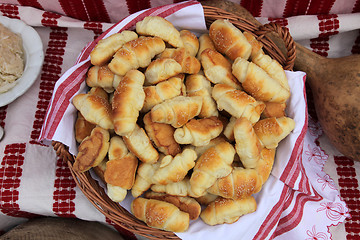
column 91, row 187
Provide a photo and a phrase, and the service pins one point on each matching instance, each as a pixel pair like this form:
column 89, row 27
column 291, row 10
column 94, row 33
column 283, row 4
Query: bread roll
column 229, row 40
column 265, row 164
column 256, row 46
column 273, row 109
column 83, row 128
column 236, row 102
column 136, row 53
column 116, row 193
column 174, row 169
column 185, row 204
column 92, row 150
column 161, row 69
column 198, row 85
column 127, row 102
column 181, row 188
column 176, row 111
column 144, row 178
column 162, row 91
column 102, row 76
column 160, row 214
column 117, row 148
column 160, row 27
column 199, row 132
column 224, row 210
column 258, row 83
column 140, row 145
column 213, row 142
column 204, row 43
column 191, row 42
column 188, row 63
column 271, row 131
column 213, row 164
column 100, row 169
column 229, row 130
column 218, row 69
column 106, row 48
column 162, row 135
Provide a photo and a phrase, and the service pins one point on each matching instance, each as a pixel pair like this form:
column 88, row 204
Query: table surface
column 334, row 33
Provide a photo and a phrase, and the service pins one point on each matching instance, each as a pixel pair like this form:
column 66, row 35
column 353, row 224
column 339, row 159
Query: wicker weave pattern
column 96, row 194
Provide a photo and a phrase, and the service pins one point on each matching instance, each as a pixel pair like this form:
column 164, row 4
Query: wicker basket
column 96, row 194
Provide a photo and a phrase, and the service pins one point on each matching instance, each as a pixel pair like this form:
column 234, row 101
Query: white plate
column 34, row 57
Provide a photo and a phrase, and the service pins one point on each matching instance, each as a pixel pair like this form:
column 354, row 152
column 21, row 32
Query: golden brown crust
column 273, row 109
column 191, row 42
column 204, row 43
column 83, row 128
column 188, row 63
column 161, row 69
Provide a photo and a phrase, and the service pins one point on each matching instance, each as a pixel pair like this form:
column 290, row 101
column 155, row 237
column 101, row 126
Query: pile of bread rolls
column 189, row 125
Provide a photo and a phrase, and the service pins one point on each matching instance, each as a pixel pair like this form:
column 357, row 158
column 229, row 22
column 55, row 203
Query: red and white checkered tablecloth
column 35, row 182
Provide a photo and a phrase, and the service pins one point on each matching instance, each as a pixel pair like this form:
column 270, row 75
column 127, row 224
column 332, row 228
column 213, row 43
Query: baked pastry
column 115, row 193
column 136, row 53
column 181, row 188
column 127, row 102
column 162, row 135
column 176, row 111
column 198, row 85
column 188, row 63
column 162, row 91
column 258, row 83
column 191, row 42
column 247, row 143
column 185, row 204
column 117, row 148
column 213, row 142
column 95, row 109
column 271, row 131
column 105, row 48
column 256, row 46
column 199, row 132
column 238, row 103
column 174, row 169
column 273, row 109
column 160, row 214
column 224, row 210
column 229, row 40
column 102, row 76
column 218, row 69
column 213, row 164
column 83, row 128
column 265, row 164
column 161, row 69
column 229, row 129
column 144, row 177
column 204, row 43
column 140, row 145
column 159, row 27
column 92, row 150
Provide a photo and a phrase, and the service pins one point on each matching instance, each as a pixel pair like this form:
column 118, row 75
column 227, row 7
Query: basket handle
column 62, row 151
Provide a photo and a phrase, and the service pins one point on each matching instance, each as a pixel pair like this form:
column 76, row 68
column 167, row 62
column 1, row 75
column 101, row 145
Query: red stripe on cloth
column 281, row 21
column 10, row 178
column 356, row 7
column 254, row 7
column 10, row 10
column 97, row 11
column 356, row 47
column 49, row 19
column 75, row 9
column 137, row 5
column 124, row 233
column 320, row 7
column 51, row 72
column 31, row 3
column 274, row 215
column 95, row 27
column 64, row 192
column 295, row 7
column 3, row 115
column 349, row 191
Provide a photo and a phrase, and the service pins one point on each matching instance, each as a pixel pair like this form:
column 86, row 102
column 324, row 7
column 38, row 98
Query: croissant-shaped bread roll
column 218, row 69
column 92, row 150
column 144, row 177
column 224, row 210
column 105, row 48
column 117, row 148
column 181, row 188
column 265, row 164
column 258, row 83
column 272, row 130
column 83, row 128
column 236, row 102
column 162, row 135
column 273, row 109
column 199, row 132
column 206, row 199
column 213, row 164
column 256, row 46
column 128, row 100
column 247, row 144
column 160, row 214
column 229, row 129
column 100, row 169
column 115, row 193
column 95, row 109
column 204, row 43
column 98, row 91
column 159, row 27
column 161, row 69
column 185, row 204
column 191, row 42
column 121, row 171
column 136, row 53
column 102, row 76
column 140, row 145
column 188, row 63
column 176, row 111
column 174, row 169
column 162, row 91
column 213, row 142
column 198, row 85
column 229, row 40
column 240, row 183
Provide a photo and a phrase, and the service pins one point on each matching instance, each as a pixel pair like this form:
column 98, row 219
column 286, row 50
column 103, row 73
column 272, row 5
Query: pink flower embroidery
column 316, row 235
column 326, row 181
column 316, row 154
column 334, row 211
